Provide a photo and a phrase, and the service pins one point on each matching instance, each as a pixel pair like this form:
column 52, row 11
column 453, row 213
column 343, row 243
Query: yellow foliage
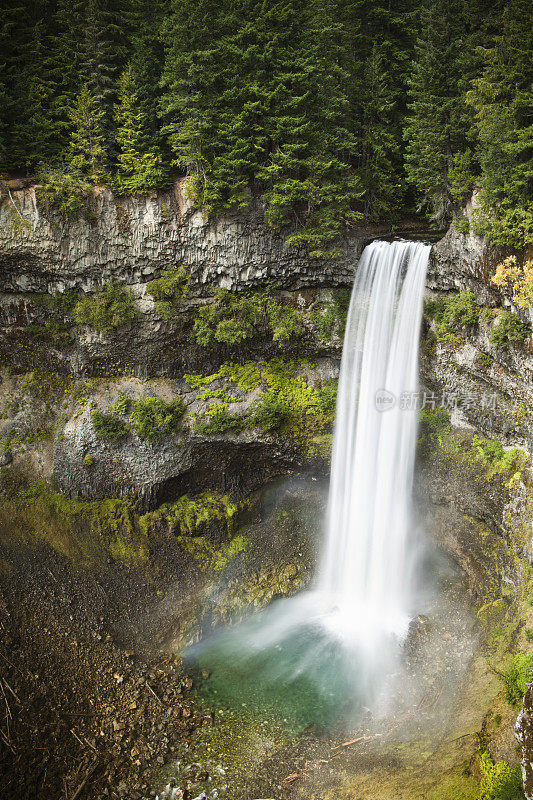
column 516, row 279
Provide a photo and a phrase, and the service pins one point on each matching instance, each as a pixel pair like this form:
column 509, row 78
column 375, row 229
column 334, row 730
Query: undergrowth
column 235, row 318
column 517, row 677
column 169, row 290
column 149, row 417
column 286, row 403
column 499, row 781
column 509, row 328
column 453, row 314
column 107, row 309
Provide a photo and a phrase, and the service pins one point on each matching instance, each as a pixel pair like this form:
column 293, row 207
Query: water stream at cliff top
column 329, row 651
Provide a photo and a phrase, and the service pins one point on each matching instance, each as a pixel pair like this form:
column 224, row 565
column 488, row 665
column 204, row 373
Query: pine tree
column 138, row 169
column 29, row 132
column 105, row 51
column 437, row 129
column 308, row 175
column 380, row 150
column 87, row 149
column 63, row 63
column 502, row 97
column 147, row 63
column 254, row 97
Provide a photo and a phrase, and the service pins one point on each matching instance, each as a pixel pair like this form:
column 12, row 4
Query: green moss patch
column 287, row 404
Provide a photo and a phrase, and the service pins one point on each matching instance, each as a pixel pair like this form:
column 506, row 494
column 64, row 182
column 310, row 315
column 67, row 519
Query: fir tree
column 138, row 169
column 437, row 129
column 105, row 50
column 87, row 151
column 147, row 63
column 502, row 97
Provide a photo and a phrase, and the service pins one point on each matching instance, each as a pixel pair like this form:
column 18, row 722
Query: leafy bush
column 453, row 313
column 331, row 315
column 269, row 412
column 66, row 191
column 168, row 290
column 220, row 420
column 511, row 224
column 106, row 309
column 108, row 426
column 53, row 332
column 232, row 319
column 509, row 328
column 328, row 396
column 286, row 323
column 152, row 418
column 496, row 461
column 518, row 677
column 517, row 279
column 499, row 781
column 121, row 404
column 63, row 302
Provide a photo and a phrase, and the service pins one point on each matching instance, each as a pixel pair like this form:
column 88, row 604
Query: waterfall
column 367, row 558
column 328, row 652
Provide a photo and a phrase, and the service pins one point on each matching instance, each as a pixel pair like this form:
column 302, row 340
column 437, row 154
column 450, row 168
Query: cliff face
column 257, row 476
column 131, row 240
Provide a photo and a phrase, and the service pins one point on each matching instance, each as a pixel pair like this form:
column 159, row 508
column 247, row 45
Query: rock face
column 157, row 471
column 48, row 431
column 524, row 735
column 131, row 240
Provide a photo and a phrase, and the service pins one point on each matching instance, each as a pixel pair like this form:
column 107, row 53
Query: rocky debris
column 87, row 714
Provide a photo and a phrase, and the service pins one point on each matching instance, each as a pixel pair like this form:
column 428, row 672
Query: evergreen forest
column 330, row 111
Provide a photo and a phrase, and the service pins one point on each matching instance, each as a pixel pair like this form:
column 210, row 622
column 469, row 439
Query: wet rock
column 524, row 735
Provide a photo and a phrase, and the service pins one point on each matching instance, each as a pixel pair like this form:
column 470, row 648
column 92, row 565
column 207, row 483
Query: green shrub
column 328, row 397
column 234, row 318
column 499, row 781
column 286, row 323
column 495, row 460
column 509, row 328
column 107, row 309
column 518, row 677
column 121, row 404
column 63, row 302
column 269, row 412
column 453, row 313
column 220, row 420
column 66, row 191
column 462, row 224
column 330, row 316
column 108, row 426
column 152, row 418
column 168, row 290
column 53, row 332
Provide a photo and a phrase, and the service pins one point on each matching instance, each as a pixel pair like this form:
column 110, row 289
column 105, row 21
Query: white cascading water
column 338, row 641
column 367, row 559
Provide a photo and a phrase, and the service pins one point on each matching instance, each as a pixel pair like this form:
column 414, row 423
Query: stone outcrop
column 133, row 239
column 524, row 735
